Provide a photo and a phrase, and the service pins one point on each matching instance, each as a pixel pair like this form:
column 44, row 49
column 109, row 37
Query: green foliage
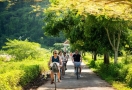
column 129, row 77
column 111, row 70
column 23, row 49
column 113, row 73
column 10, row 80
column 92, row 64
column 30, row 67
column 123, row 73
column 30, row 72
column 90, row 28
column 127, row 59
column 22, row 20
column 58, row 46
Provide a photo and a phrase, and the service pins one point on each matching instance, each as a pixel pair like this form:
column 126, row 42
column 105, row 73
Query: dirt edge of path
column 34, row 84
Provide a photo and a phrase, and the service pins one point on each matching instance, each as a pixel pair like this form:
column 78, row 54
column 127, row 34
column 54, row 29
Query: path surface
column 88, row 81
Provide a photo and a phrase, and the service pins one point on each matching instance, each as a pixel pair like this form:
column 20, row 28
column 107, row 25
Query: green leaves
column 23, row 49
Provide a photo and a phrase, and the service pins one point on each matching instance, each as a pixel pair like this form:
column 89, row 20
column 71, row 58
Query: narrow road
column 88, row 81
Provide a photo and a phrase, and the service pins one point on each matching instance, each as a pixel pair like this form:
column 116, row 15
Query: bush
column 30, row 72
column 129, row 77
column 23, row 49
column 31, row 61
column 10, row 80
column 123, row 73
column 92, row 64
column 111, row 70
column 127, row 59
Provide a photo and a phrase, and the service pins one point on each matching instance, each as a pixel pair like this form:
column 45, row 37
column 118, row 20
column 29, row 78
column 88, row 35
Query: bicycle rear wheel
column 60, row 74
column 77, row 72
column 64, row 68
column 55, row 80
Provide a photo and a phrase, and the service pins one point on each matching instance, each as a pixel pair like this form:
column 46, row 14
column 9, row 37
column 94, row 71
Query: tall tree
column 111, row 14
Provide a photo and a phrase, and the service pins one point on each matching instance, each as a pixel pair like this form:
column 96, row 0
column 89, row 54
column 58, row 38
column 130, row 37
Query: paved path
column 88, row 81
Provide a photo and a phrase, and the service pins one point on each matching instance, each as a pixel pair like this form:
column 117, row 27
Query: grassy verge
column 119, row 76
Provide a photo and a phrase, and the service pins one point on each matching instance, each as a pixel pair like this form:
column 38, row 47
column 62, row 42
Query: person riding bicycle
column 77, row 59
column 62, row 58
column 65, row 59
column 55, row 59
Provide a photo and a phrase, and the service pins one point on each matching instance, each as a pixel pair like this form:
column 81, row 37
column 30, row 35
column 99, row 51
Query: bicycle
column 55, row 70
column 60, row 73
column 64, row 67
column 55, row 79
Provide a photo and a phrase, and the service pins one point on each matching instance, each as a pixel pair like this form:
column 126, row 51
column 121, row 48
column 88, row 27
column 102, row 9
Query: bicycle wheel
column 77, row 72
column 64, row 67
column 55, row 80
column 60, row 74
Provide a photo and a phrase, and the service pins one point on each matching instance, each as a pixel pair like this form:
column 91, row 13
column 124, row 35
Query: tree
column 111, row 14
column 23, row 19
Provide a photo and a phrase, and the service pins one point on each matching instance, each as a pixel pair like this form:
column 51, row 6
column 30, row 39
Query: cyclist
column 77, row 59
column 62, row 58
column 65, row 58
column 55, row 59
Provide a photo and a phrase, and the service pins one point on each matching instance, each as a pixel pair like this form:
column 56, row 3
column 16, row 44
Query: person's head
column 76, row 51
column 60, row 53
column 55, row 52
column 64, row 53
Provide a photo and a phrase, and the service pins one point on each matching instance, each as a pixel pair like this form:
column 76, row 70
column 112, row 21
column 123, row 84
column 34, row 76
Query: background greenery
column 21, row 62
column 23, row 19
column 28, row 25
column 119, row 75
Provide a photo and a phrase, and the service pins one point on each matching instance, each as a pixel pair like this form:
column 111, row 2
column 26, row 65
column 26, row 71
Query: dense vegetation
column 21, row 62
column 101, row 27
column 23, row 19
column 119, row 75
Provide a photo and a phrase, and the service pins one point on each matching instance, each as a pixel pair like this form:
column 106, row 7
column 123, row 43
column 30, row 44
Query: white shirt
column 61, row 57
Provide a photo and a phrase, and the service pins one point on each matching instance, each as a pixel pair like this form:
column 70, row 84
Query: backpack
column 55, row 68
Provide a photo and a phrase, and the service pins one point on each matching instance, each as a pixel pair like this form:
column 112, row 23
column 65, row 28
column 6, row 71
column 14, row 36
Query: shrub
column 23, row 49
column 129, row 77
column 123, row 73
column 112, row 70
column 92, row 64
column 30, row 73
column 10, row 80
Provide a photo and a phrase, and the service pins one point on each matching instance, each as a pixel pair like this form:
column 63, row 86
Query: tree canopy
column 78, row 18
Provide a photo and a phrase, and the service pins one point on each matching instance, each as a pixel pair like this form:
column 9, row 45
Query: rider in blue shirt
column 55, row 59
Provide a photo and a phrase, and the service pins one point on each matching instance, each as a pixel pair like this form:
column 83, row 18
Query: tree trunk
column 94, row 55
column 116, row 56
column 106, row 58
column 115, row 44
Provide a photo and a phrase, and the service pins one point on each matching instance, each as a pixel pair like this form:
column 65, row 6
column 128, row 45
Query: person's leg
column 63, row 68
column 74, row 67
column 58, row 76
column 80, row 68
column 52, row 77
column 66, row 65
